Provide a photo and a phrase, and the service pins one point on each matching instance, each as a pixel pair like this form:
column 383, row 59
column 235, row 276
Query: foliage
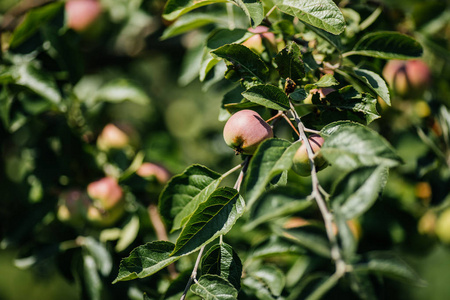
column 226, row 226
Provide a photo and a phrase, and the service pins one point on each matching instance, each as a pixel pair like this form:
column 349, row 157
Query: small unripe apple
column 149, row 170
column 255, row 42
column 245, row 130
column 103, row 218
column 106, row 192
column 112, row 137
column 407, row 77
column 442, row 226
column 82, row 13
column 301, row 164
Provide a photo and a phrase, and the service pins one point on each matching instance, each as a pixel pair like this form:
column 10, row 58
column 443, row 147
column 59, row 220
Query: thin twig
column 290, row 123
column 193, row 274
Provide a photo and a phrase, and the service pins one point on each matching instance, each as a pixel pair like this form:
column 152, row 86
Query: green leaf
column 276, row 246
column 191, row 185
column 128, row 234
column 387, row 45
column 362, row 286
column 176, row 8
column 311, row 237
column 120, row 90
column 243, row 62
column 33, row 21
column 146, row 260
column 6, row 100
column 358, row 190
column 253, row 9
column 346, row 237
column 290, row 64
column 257, row 287
column 326, row 80
column 271, row 158
column 213, row 217
column 333, row 40
column 223, row 261
column 192, row 21
column 267, row 95
column 213, row 287
column 375, row 82
column 100, row 254
column 272, row 277
column 323, row 14
column 390, row 265
column 91, row 278
column 351, row 145
column 275, row 203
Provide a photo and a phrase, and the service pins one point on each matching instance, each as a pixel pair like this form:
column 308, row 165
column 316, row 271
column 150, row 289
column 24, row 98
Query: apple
column 407, row 77
column 301, row 164
column 245, row 130
column 442, row 226
column 104, row 218
column 323, row 92
column 255, row 42
column 151, row 170
column 112, row 137
column 82, row 13
column 106, row 193
column 72, row 207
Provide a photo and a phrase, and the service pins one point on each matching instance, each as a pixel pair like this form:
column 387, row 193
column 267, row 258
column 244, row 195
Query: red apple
column 82, row 13
column 301, row 164
column 112, row 137
column 255, row 42
column 106, row 193
column 149, row 170
column 245, row 130
column 73, row 206
column 407, row 77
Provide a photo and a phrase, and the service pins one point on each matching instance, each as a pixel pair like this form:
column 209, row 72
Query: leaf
column 128, row 234
column 100, row 254
column 271, row 158
column 120, row 90
column 213, row 217
column 326, row 80
column 332, row 39
column 189, row 186
column 350, row 145
column 323, row 14
column 257, row 287
column 272, row 277
column 275, row 203
column 191, row 21
column 375, row 82
column 245, row 63
column 267, row 95
column 253, row 9
column 358, row 190
column 387, row 45
column 176, row 8
column 346, row 237
column 223, row 261
column 91, row 278
column 310, row 237
column 276, row 246
column 389, row 265
column 290, row 64
column 6, row 100
column 213, row 287
column 362, row 286
column 33, row 21
column 146, row 260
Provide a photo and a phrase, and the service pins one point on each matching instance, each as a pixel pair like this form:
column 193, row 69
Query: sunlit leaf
column 290, row 64
column 267, row 95
column 213, row 287
column 176, row 8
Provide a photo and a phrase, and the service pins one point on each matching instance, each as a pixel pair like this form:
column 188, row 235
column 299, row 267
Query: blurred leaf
column 275, row 203
column 245, row 64
column 362, row 286
column 290, row 64
column 323, row 14
column 358, row 190
column 91, row 278
column 311, row 237
column 223, row 261
column 375, row 82
column 190, row 67
column 387, row 45
column 253, row 9
column 100, row 254
column 120, row 90
column 34, row 20
column 346, row 237
column 192, row 21
column 351, row 145
column 146, row 260
column 326, row 80
column 334, row 40
column 267, row 95
column 276, row 246
column 260, row 290
column 212, row 218
column 213, row 287
column 272, row 277
column 322, row 288
column 390, row 265
column 194, row 186
column 271, row 158
column 176, row 8
column 128, row 234
column 6, row 101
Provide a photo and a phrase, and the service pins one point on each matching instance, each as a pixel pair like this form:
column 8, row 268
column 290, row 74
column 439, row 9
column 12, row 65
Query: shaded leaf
column 346, row 237
column 253, row 9
column 120, row 90
column 290, row 64
column 212, row 218
column 323, row 14
column 326, row 80
column 213, row 287
column 191, row 21
column 272, row 277
column 276, row 246
column 259, row 289
column 375, row 82
column 176, row 8
column 6, row 101
column 310, row 237
column 267, row 95
column 100, row 254
column 91, row 278
column 191, row 185
column 351, row 145
column 271, row 158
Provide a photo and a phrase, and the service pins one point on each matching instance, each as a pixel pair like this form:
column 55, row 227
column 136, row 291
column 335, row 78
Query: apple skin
column 73, row 206
column 106, row 193
column 407, row 77
column 151, row 170
column 112, row 137
column 82, row 13
column 442, row 226
column 300, row 160
column 255, row 42
column 245, row 130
